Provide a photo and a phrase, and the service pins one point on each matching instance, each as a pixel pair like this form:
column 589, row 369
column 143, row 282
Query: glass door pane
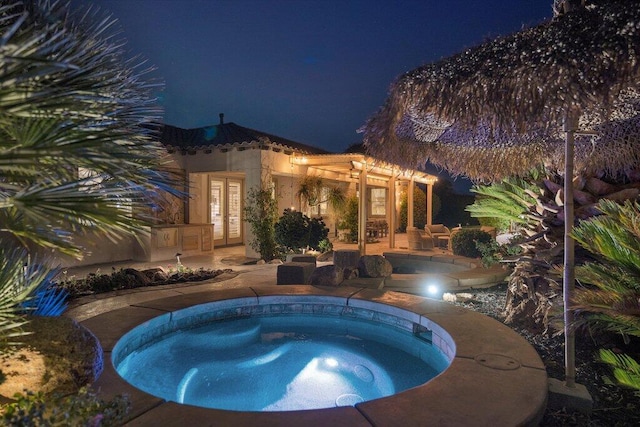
column 217, row 208
column 234, row 191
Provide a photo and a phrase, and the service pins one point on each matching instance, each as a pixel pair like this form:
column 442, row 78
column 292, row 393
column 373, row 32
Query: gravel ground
column 612, row 404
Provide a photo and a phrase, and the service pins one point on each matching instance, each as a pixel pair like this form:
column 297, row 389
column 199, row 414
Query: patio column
column 362, row 211
column 391, row 208
column 429, row 203
column 410, row 190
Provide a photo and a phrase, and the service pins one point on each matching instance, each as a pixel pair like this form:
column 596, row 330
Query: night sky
column 310, row 71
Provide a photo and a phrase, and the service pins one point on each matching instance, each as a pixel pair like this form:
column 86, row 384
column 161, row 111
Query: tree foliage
column 419, row 209
column 504, row 203
column 464, row 242
column 613, row 302
column 295, row 231
column 77, row 154
column 261, row 212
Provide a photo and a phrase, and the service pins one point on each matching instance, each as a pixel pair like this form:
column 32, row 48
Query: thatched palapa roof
column 497, row 109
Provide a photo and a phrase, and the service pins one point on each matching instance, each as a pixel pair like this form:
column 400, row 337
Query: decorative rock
column 276, row 261
column 324, row 257
column 374, row 266
column 261, row 262
column 449, row 297
column 294, row 273
column 301, row 258
column 464, row 297
column 344, row 258
column 327, row 275
column 155, row 274
column 351, row 273
column 140, row 277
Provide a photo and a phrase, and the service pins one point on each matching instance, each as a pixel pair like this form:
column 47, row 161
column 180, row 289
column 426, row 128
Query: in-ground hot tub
column 293, row 354
column 495, row 376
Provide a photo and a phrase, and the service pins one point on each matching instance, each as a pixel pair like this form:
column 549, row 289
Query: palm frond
column 17, row 283
column 625, row 369
column 509, row 199
column 69, row 100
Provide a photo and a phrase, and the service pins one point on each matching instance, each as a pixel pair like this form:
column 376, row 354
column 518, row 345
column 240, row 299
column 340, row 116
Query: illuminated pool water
column 277, row 357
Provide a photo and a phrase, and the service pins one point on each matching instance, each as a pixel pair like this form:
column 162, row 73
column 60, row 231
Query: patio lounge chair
column 437, row 231
column 419, row 240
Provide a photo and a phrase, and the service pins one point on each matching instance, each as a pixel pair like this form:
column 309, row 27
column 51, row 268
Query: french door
column 225, row 210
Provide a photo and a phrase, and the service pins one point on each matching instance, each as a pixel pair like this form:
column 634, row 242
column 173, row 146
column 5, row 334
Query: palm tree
column 613, row 303
column 76, row 149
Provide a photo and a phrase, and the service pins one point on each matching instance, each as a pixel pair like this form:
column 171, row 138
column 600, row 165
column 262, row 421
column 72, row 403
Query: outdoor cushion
column 419, row 240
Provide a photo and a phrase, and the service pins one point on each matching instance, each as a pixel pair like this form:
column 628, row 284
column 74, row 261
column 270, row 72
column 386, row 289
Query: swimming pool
column 286, row 356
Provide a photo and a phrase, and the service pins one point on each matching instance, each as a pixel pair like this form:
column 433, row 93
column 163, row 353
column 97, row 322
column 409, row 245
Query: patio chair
column 419, row 240
column 438, row 230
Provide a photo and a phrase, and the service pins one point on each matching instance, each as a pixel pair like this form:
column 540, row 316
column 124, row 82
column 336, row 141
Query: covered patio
column 366, row 172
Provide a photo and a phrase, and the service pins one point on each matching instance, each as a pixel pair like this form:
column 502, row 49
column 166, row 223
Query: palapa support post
column 569, row 394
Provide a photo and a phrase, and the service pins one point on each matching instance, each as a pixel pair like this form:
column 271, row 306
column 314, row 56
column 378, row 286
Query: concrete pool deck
column 496, row 377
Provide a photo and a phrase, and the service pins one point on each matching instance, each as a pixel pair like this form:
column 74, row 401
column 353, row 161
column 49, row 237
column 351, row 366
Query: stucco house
column 220, row 163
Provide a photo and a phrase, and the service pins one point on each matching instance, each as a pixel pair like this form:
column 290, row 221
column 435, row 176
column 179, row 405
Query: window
column 378, row 202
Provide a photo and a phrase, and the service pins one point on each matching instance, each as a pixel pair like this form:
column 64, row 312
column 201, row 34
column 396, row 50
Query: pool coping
column 495, row 378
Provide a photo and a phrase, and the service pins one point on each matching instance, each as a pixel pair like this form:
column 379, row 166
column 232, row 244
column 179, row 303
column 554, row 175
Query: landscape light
column 433, row 290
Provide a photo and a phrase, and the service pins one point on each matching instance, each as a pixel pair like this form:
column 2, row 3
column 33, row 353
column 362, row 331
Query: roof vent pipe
column 221, row 118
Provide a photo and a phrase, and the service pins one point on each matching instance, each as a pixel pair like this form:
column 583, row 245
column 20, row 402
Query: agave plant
column 614, row 304
column 76, row 120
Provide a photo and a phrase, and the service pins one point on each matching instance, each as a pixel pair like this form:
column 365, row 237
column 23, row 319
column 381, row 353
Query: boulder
column 138, row 276
column 351, row 273
column 327, row 275
column 156, row 274
column 344, row 258
column 301, row 258
column 294, row 273
column 374, row 266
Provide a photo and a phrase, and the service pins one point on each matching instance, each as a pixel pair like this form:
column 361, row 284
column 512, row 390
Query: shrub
column 129, row 278
column 295, row 231
column 419, row 209
column 261, row 212
column 325, row 246
column 492, row 252
column 47, row 299
column 83, row 409
column 350, row 219
column 608, row 302
column 464, row 242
